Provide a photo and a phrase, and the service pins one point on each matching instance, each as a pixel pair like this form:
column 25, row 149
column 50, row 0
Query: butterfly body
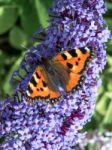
column 57, row 75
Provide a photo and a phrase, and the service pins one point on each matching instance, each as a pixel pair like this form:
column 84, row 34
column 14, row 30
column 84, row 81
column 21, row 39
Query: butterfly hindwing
column 73, row 82
column 38, row 86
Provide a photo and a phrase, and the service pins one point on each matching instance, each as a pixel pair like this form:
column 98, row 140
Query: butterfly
column 57, row 75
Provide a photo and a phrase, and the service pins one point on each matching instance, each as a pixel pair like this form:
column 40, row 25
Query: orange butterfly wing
column 75, row 60
column 38, row 88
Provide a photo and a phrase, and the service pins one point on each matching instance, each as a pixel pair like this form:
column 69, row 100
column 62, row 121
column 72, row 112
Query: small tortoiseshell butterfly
column 58, row 74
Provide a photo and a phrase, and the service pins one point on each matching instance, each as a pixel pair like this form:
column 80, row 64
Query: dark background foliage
column 19, row 19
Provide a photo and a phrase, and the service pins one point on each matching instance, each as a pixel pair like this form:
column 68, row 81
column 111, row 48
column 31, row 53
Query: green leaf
column 110, row 60
column 28, row 16
column 33, row 14
column 42, row 12
column 2, row 58
column 2, row 71
column 90, row 147
column 102, row 105
column 109, row 86
column 8, row 17
column 109, row 22
column 109, row 5
column 2, row 2
column 18, row 38
column 6, row 86
column 108, row 117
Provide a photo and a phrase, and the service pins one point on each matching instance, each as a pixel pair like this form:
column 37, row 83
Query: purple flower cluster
column 42, row 126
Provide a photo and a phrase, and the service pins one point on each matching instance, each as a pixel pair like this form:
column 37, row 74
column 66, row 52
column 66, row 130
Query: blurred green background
column 19, row 19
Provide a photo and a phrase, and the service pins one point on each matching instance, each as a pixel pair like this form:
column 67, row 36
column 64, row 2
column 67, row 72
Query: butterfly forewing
column 75, row 60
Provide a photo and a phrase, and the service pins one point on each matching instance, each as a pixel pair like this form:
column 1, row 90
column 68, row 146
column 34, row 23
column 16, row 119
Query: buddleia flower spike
column 68, row 65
